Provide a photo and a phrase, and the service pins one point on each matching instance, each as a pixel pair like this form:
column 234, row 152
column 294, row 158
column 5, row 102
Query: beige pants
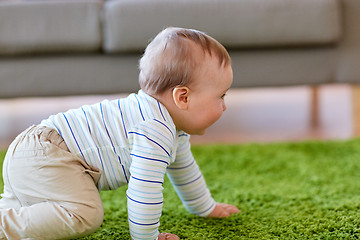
column 49, row 193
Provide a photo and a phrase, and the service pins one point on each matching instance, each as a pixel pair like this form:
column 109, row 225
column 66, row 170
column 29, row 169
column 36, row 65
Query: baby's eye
column 223, row 96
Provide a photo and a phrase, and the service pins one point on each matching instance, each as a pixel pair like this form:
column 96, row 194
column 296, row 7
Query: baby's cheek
column 217, row 115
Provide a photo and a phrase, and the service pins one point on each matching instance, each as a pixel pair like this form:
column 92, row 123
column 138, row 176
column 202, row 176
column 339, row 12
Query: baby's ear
column 181, row 97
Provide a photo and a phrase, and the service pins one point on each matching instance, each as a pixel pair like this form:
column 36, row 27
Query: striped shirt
column 134, row 141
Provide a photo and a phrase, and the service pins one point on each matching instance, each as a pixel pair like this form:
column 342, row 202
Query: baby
column 53, row 171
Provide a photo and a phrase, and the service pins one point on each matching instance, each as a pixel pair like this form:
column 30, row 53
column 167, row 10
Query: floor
column 252, row 115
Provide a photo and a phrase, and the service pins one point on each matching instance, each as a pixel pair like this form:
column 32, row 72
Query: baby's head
column 190, row 73
column 170, row 60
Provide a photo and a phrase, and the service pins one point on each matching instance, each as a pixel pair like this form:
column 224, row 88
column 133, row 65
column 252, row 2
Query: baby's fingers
column 230, row 208
column 222, row 210
column 167, row 236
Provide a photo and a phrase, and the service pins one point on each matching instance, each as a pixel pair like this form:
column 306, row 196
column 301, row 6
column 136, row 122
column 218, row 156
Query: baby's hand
column 222, row 210
column 167, row 236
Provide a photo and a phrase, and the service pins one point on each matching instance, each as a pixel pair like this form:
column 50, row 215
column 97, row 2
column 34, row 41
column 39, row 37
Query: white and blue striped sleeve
column 189, row 182
column 151, row 149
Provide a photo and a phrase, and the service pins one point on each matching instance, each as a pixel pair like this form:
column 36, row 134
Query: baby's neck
column 167, row 100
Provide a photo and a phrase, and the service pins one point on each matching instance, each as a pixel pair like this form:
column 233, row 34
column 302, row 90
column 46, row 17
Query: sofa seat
column 50, row 26
column 129, row 24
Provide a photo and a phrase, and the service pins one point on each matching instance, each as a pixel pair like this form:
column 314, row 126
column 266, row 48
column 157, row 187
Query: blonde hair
column 168, row 60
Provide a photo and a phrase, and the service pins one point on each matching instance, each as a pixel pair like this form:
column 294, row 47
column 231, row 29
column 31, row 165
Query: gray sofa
column 75, row 47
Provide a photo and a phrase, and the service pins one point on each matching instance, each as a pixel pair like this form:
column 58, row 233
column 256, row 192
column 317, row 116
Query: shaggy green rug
column 307, row 190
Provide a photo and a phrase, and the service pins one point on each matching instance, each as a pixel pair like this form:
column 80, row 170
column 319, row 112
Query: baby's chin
column 199, row 133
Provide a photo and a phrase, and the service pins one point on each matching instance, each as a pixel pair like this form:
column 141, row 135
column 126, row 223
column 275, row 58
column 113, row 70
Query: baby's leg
column 49, row 192
column 48, row 220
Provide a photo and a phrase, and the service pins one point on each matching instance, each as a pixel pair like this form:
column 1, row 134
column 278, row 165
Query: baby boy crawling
column 53, row 171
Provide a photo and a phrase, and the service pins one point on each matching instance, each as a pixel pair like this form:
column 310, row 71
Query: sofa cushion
column 129, row 24
column 43, row 26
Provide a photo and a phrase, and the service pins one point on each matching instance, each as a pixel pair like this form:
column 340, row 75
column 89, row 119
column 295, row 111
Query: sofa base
column 49, row 75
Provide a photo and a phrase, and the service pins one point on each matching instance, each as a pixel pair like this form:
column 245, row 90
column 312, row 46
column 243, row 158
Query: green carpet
column 307, row 190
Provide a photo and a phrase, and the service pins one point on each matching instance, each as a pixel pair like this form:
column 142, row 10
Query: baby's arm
column 150, row 151
column 188, row 181
column 222, row 210
column 182, row 172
